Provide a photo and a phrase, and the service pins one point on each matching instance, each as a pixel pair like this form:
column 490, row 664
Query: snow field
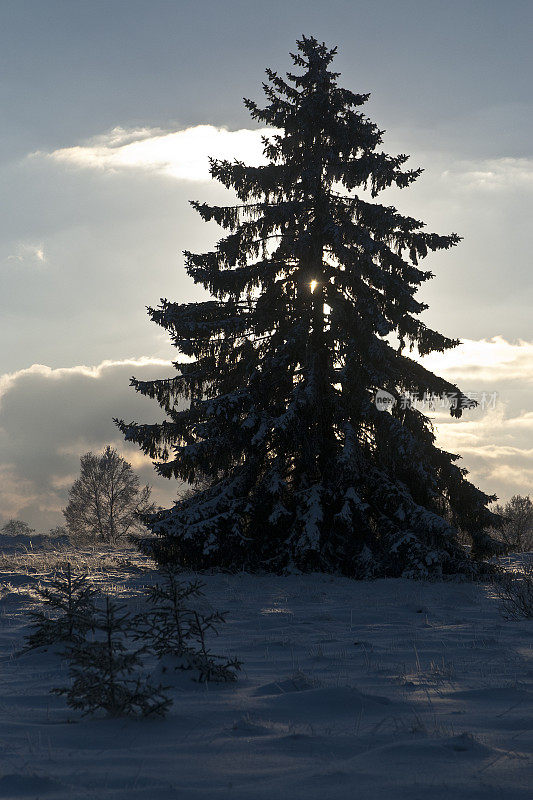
column 383, row 689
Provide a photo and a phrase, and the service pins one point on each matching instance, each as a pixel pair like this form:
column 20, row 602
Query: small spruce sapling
column 166, row 626
column 68, row 613
column 211, row 667
column 172, row 627
column 105, row 674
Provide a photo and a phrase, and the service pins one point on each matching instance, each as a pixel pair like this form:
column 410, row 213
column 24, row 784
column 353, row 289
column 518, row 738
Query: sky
column 109, row 113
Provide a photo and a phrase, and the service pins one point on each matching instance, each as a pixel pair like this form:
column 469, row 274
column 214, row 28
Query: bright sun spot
column 313, row 286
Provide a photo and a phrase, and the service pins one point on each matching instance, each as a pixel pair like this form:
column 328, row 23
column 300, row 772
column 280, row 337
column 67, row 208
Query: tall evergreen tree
column 314, row 306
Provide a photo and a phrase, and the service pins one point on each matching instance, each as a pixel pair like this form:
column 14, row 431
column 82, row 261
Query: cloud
column 497, row 448
column 492, row 174
column 9, row 380
column 488, row 360
column 182, row 154
column 50, row 417
column 495, row 440
column 518, row 479
column 28, row 253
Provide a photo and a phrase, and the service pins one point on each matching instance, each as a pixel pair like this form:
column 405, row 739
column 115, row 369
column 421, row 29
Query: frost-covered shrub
column 105, row 674
column 173, row 626
column 516, row 531
column 515, row 592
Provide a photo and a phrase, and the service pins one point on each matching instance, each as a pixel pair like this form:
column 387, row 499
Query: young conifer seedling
column 67, row 614
column 211, row 667
column 174, row 627
column 105, row 674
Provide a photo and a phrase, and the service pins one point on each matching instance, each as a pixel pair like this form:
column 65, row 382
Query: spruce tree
column 175, row 627
column 105, row 673
column 68, row 612
column 314, row 311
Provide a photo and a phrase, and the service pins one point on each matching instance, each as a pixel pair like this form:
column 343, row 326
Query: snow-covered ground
column 385, row 689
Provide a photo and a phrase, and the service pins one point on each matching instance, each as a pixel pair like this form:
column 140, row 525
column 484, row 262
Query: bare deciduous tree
column 106, row 500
